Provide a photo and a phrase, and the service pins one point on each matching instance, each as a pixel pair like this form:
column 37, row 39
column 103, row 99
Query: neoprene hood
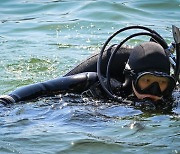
column 149, row 56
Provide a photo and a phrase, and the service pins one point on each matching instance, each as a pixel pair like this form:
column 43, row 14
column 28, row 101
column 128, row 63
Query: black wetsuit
column 82, row 78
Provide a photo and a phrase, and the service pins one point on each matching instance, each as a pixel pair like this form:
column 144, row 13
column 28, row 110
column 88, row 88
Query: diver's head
column 149, row 68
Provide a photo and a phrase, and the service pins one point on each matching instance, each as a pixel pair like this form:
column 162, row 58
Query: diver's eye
column 146, row 80
column 163, row 82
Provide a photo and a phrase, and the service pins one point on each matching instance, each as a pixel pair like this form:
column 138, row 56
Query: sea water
column 43, row 39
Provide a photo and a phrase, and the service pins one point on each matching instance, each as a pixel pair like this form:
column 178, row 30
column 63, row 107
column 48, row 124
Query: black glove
column 6, row 99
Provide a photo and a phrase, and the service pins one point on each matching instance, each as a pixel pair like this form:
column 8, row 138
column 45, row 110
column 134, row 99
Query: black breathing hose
column 152, row 33
column 155, row 37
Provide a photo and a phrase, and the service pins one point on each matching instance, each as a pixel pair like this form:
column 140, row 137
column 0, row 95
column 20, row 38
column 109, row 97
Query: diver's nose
column 155, row 89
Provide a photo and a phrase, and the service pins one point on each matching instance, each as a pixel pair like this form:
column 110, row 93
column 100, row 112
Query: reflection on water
column 41, row 40
column 74, row 124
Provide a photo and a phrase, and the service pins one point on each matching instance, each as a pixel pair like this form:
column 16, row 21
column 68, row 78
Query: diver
column 116, row 73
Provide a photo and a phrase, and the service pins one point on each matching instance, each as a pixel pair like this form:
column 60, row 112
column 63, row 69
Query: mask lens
column 154, row 83
column 148, row 79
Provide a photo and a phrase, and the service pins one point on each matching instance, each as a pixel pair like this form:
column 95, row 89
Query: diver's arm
column 75, row 83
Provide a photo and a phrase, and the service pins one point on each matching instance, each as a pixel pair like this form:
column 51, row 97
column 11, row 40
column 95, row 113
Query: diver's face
column 146, row 82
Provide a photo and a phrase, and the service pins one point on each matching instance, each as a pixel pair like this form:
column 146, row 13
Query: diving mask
column 154, row 83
